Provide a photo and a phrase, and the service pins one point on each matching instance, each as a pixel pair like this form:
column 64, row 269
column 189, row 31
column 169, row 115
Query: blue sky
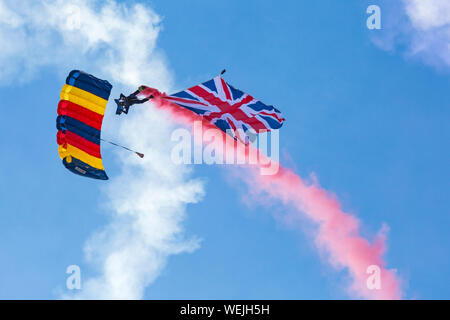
column 370, row 122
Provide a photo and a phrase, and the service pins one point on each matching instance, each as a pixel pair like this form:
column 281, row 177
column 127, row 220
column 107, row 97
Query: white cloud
column 428, row 14
column 116, row 40
column 421, row 27
column 147, row 201
column 430, row 38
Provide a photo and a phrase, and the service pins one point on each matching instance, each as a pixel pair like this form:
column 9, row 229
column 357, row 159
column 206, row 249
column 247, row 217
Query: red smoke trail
column 337, row 231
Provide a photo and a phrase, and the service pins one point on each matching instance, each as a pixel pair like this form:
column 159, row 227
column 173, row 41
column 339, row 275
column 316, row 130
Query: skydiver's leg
column 132, row 100
column 136, row 100
column 133, row 96
column 142, row 100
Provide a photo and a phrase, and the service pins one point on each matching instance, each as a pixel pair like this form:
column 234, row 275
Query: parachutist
column 124, row 103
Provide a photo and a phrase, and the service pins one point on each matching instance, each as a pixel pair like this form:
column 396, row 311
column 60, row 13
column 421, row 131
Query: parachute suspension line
column 141, row 155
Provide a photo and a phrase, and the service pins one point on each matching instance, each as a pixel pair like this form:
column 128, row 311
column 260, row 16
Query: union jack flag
column 230, row 109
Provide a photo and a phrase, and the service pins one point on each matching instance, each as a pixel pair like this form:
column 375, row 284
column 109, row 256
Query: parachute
column 79, row 123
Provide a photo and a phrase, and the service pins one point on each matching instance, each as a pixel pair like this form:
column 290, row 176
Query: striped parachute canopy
column 79, row 123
